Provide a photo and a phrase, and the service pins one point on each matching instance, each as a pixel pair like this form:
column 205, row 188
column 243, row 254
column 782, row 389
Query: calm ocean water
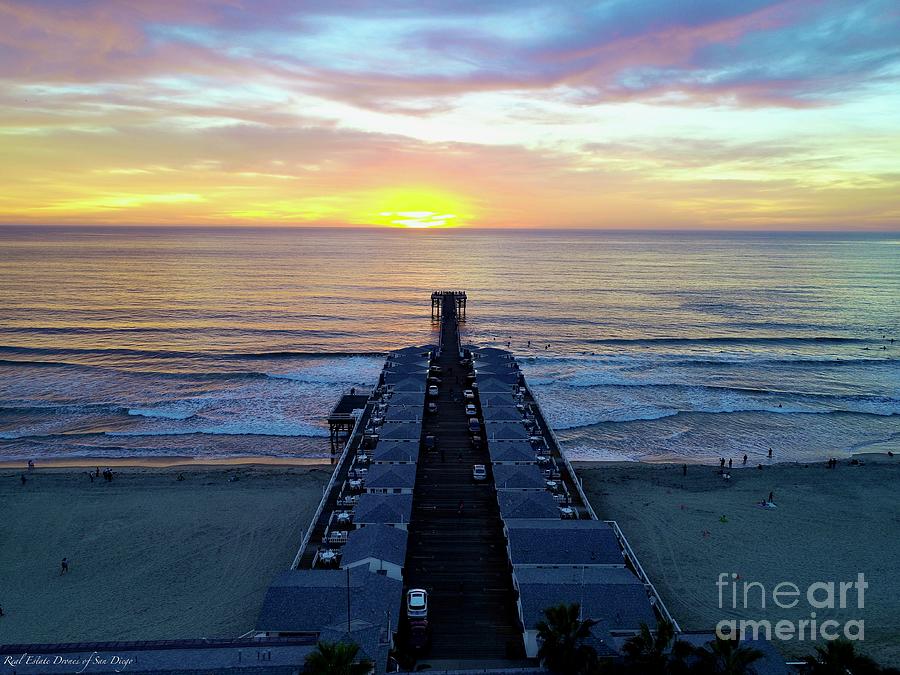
column 205, row 342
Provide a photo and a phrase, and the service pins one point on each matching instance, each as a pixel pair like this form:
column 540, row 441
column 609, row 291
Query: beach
column 151, row 557
column 829, row 526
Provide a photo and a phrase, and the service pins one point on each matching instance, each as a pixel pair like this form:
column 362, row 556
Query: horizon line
column 889, row 229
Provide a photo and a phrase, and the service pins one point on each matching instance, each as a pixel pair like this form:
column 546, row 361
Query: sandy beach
column 829, row 525
column 151, row 557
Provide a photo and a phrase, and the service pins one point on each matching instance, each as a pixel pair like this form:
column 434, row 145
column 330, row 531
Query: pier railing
column 575, row 479
column 327, row 492
column 632, row 557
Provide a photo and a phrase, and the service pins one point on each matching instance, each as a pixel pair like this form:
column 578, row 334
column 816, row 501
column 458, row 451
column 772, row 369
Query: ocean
column 204, row 342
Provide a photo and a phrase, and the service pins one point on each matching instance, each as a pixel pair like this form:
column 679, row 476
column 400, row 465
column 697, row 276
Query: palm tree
column 336, row 658
column 562, row 636
column 659, row 653
column 839, row 657
column 727, row 657
column 646, row 651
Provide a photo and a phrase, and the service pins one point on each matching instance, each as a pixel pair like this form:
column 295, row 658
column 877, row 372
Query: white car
column 433, row 390
column 479, row 473
column 470, row 410
column 417, row 603
column 469, row 394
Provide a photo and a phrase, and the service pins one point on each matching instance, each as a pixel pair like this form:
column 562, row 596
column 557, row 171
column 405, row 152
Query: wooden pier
column 436, row 412
column 343, row 415
column 456, row 547
column 442, row 299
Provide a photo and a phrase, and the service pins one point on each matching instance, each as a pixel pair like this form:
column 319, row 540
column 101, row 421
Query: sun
column 418, row 208
column 417, row 219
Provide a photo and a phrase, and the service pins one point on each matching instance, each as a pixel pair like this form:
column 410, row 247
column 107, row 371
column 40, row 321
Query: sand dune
column 151, row 557
column 829, row 525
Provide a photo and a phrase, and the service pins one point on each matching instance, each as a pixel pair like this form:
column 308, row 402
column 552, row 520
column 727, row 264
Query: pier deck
column 460, row 558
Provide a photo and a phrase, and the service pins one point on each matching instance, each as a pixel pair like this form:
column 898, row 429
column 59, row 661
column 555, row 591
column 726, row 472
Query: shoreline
column 151, row 462
column 872, row 457
column 163, row 462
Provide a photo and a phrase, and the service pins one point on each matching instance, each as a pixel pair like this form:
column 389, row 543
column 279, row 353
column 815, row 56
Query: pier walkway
column 456, row 547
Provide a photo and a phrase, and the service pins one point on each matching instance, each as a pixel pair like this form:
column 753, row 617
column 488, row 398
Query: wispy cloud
column 622, row 112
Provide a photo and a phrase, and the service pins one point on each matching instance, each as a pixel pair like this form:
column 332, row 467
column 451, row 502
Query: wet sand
column 829, row 525
column 151, row 557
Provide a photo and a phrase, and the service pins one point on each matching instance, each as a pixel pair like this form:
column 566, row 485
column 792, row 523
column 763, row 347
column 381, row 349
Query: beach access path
column 460, row 558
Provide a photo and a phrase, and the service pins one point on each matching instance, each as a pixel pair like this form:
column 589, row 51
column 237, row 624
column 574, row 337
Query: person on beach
column 770, row 453
column 1, row 611
column 721, row 462
column 729, row 464
column 771, row 497
column 64, row 567
column 91, row 476
column 684, row 469
column 745, row 459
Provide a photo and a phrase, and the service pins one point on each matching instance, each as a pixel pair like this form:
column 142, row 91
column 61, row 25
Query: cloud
column 408, row 56
column 613, row 113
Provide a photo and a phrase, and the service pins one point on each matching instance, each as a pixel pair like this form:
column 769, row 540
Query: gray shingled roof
column 506, row 431
column 401, row 431
column 389, row 509
column 391, row 476
column 527, row 504
column 396, row 451
column 491, row 399
column 491, row 352
column 509, row 377
column 491, row 385
column 505, row 413
column 407, row 352
column 564, row 542
column 518, row 477
column 381, row 542
column 611, row 593
column 402, row 372
column 410, row 384
column 403, row 413
column 313, row 600
column 511, row 451
column 408, row 398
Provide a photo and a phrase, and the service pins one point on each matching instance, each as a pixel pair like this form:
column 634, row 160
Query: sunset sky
column 615, row 113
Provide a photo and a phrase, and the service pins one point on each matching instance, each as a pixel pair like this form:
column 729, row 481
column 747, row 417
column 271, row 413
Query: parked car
column 479, row 473
column 470, row 410
column 432, row 407
column 417, row 603
column 419, row 637
column 469, row 394
column 433, row 390
column 474, row 426
column 430, row 443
